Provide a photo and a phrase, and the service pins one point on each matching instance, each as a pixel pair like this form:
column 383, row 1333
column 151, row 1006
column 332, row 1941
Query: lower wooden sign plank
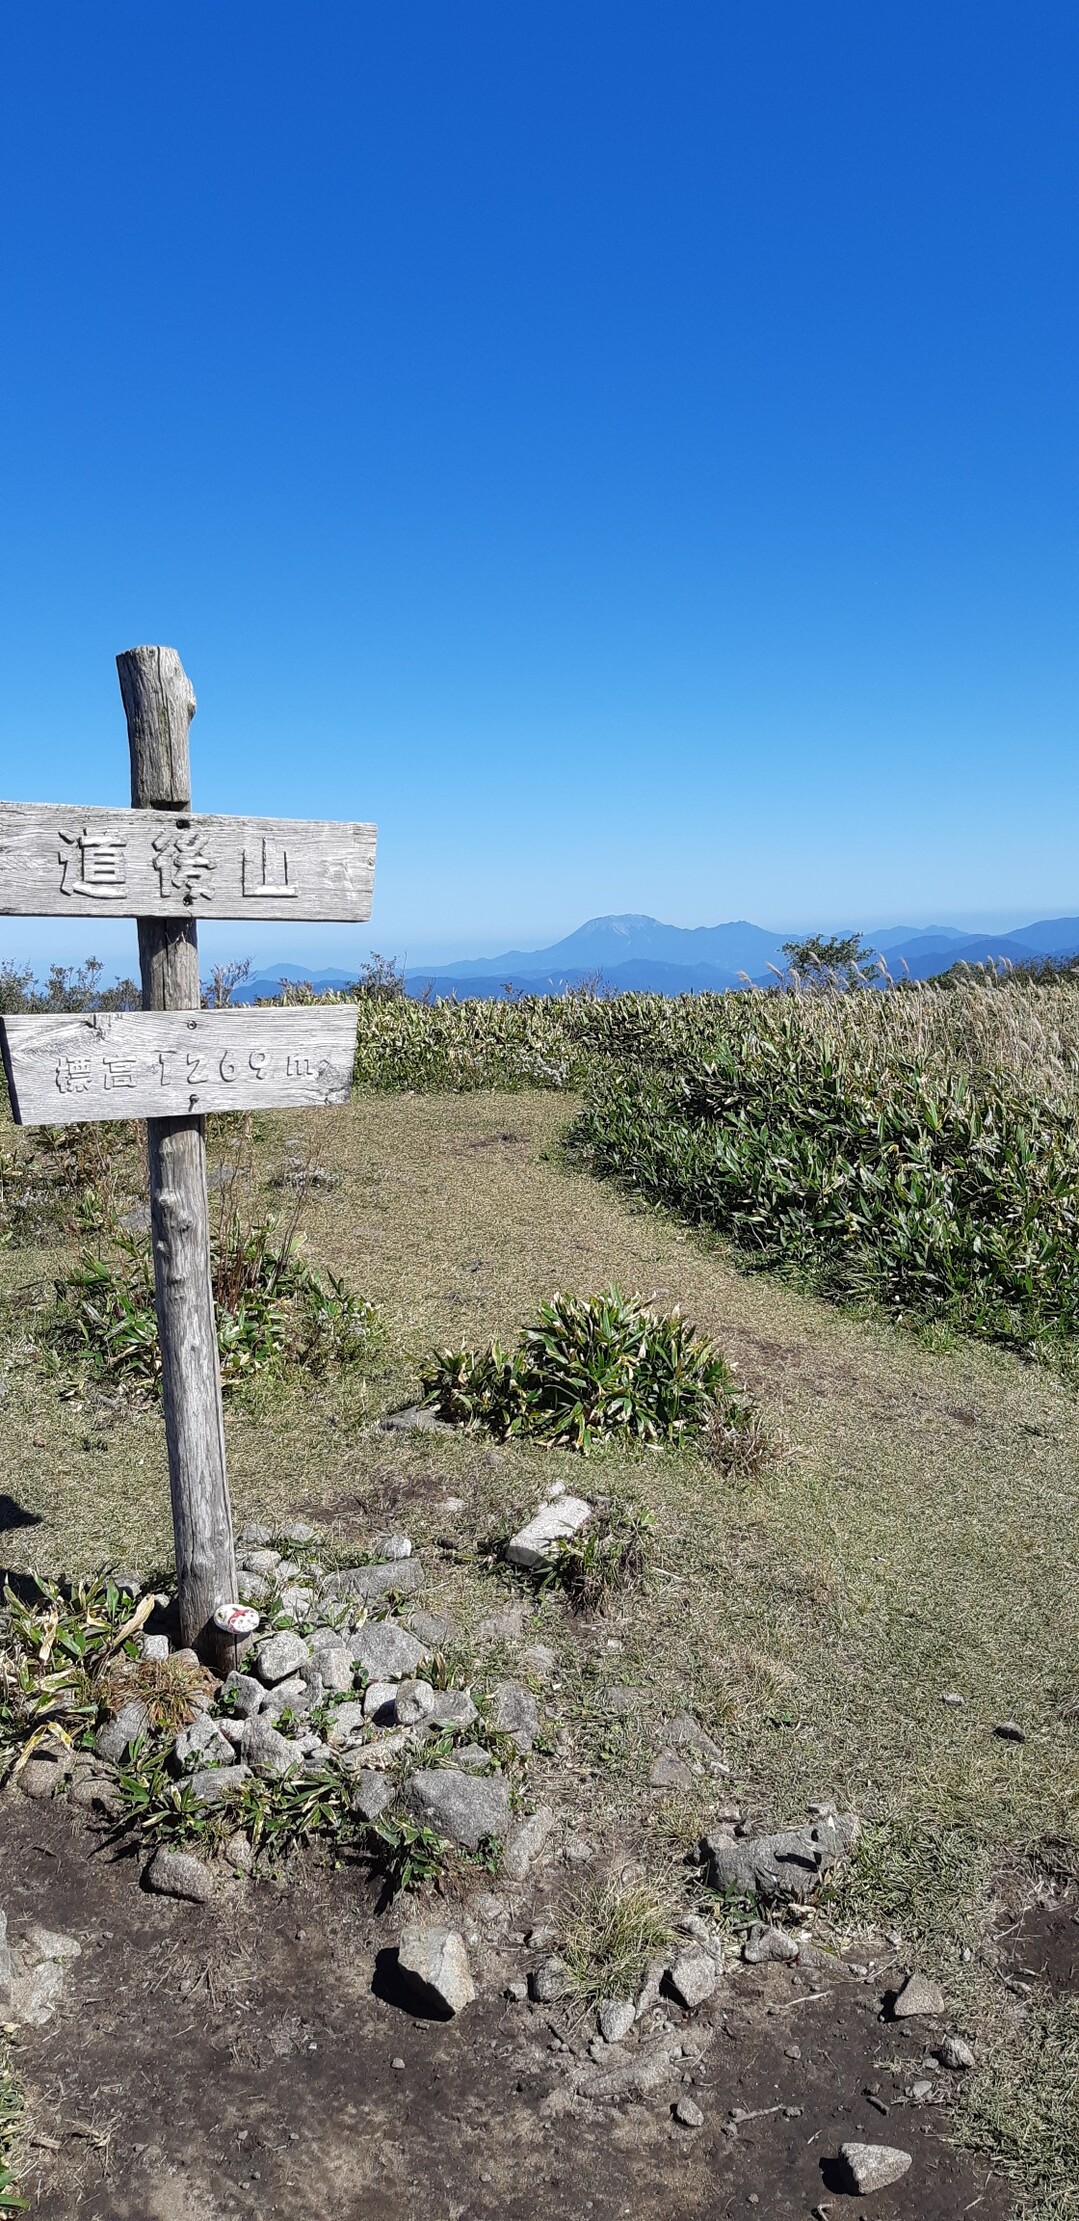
column 66, row 1070
column 68, row 861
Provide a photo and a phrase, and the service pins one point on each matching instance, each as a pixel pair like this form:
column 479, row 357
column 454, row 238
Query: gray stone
column 336, row 1667
column 34, row 1991
column 116, row 1737
column 379, row 1702
column 256, row 1533
column 539, row 1660
column 461, row 1806
column 268, row 1754
column 1010, row 1731
column 415, row 1701
column 537, row 1542
column 689, row 2113
column 215, row 1785
column 956, row 2053
column 684, row 1733
column 297, row 1599
column 435, row 1962
column 415, row 1419
column 203, row 1739
column 619, row 1697
column 874, row 2166
column 251, row 1589
column 435, row 1628
column 387, row 1651
column 177, row 1874
column 154, row 1648
column 616, row 2018
column 243, row 1693
column 392, row 1547
column 403, row 1577
column 474, row 1758
column 299, row 1532
column 347, row 1721
column 790, row 1865
column 281, row 1657
column 454, row 1708
column 919, row 1999
column 671, row 1772
column 295, row 1695
column 232, row 1730
column 383, row 1750
column 550, row 1980
column 693, row 1977
column 514, row 1712
column 239, row 1852
column 525, row 1842
column 372, row 1795
column 516, row 1992
column 763, row 1944
column 260, row 1561
column 41, row 1777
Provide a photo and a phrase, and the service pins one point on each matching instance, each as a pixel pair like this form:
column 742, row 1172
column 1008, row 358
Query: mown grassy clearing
column 913, row 1534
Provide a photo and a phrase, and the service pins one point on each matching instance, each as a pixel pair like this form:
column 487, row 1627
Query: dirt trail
column 253, row 2058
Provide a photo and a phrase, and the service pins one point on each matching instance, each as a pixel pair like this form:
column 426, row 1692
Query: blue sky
column 629, row 451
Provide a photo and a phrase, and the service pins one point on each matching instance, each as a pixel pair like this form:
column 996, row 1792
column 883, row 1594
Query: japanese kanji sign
column 82, row 862
column 65, row 1070
column 171, row 1062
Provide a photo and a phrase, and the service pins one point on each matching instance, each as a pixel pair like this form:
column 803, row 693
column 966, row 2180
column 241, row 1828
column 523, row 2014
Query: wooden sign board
column 80, row 862
column 64, row 1070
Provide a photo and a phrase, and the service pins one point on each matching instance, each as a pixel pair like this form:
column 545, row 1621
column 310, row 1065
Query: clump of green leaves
column 612, row 1933
column 592, row 1370
column 57, row 1652
column 273, row 1310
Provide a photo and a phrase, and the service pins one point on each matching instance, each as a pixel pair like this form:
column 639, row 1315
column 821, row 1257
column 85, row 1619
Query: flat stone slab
column 537, row 1543
column 386, row 1651
column 789, row 1865
column 874, row 2166
column 465, row 1807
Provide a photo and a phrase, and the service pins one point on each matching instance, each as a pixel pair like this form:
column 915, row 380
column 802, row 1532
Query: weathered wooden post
column 172, row 1062
column 159, row 704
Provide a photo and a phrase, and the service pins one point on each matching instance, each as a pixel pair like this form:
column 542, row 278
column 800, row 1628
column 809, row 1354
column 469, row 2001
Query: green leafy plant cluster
column 10, row 2117
column 593, row 1369
column 941, row 1194
column 273, row 1310
column 57, row 1650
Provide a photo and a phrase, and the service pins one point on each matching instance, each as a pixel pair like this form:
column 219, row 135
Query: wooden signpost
column 172, row 1062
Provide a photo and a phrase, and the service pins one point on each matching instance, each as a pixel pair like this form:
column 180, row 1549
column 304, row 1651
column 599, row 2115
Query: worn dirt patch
column 236, row 2061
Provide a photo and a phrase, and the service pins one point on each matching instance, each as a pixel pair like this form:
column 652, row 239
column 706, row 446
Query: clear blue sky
column 628, row 450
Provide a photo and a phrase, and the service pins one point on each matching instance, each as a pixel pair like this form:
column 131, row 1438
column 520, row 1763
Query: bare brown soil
column 254, row 2058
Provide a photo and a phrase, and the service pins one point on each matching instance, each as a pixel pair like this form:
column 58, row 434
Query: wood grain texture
column 159, row 703
column 71, row 1069
column 75, row 861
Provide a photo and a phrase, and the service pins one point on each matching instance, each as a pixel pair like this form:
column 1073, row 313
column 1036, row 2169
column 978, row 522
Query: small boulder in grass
column 435, row 1964
column 956, row 2054
column 693, row 1977
column 280, row 1658
column 177, row 1874
column 919, row 1999
column 874, row 2166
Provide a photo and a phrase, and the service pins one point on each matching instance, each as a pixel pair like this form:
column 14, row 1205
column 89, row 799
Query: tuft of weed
column 56, row 1654
column 592, row 1370
column 610, row 1936
column 603, row 1560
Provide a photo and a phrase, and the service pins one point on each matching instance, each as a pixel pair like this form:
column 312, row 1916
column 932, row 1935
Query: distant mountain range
column 641, row 955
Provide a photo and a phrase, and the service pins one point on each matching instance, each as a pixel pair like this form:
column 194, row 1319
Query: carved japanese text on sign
column 65, row 1069
column 57, row 862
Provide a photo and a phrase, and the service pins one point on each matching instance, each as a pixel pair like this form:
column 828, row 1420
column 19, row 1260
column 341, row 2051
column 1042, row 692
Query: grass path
column 916, row 1536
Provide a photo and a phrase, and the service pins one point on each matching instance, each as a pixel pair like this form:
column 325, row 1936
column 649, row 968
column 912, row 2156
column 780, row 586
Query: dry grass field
column 911, row 1535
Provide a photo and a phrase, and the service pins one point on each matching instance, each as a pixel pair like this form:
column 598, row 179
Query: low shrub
column 273, row 1310
column 591, row 1370
column 936, row 1194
